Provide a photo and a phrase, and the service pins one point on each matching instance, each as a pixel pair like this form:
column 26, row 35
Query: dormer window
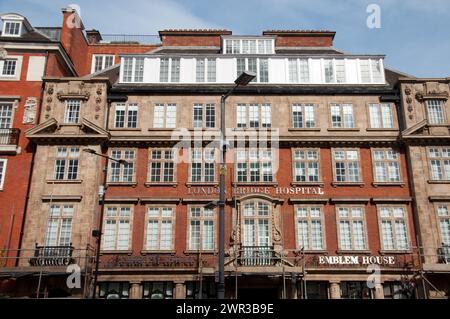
column 12, row 28
column 249, row 46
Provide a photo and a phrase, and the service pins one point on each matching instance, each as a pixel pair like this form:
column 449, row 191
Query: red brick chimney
column 72, row 38
column 302, row 38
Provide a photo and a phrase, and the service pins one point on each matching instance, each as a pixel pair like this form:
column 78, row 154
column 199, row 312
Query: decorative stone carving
column 408, row 90
column 409, row 100
column 50, row 89
column 48, row 108
column 29, row 114
column 3, row 53
column 49, row 99
column 97, row 116
column 410, row 108
column 98, row 99
column 97, row 108
column 99, row 91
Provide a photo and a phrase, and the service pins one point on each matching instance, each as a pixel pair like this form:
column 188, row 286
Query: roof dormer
column 14, row 25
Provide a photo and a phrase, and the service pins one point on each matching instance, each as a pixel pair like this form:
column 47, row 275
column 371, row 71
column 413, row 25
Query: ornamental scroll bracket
column 78, row 96
column 433, row 95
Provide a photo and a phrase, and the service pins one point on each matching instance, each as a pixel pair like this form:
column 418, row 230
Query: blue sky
column 414, row 34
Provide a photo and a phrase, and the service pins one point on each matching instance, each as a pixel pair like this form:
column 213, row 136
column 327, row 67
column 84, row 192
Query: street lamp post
column 242, row 80
column 98, row 232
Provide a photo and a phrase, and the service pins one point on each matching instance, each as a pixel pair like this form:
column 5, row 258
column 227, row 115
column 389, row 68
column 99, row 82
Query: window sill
column 190, row 184
column 116, row 252
column 205, row 129
column 397, row 252
column 255, row 184
column 378, row 184
column 149, row 252
column 11, row 78
column 125, row 129
column 321, row 251
column 349, row 129
column 365, row 252
column 392, row 129
column 162, row 129
column 312, row 129
column 438, row 182
column 63, row 181
column 335, row 184
column 320, row 184
column 134, row 184
column 191, row 251
column 150, row 184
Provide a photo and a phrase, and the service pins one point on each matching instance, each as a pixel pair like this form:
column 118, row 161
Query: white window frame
column 118, row 219
column 444, row 162
column 4, row 34
column 71, row 154
column 263, row 157
column 204, row 123
column 4, row 162
column 305, row 124
column 309, row 219
column 257, row 45
column 169, row 70
column 164, row 159
column 443, row 217
column 342, row 124
column 258, row 68
column 69, row 115
column 387, row 160
column 64, row 212
column 307, row 162
column 124, row 155
column 392, row 219
column 103, row 56
column 6, row 119
column 437, row 116
column 351, row 219
column 206, row 157
column 160, row 220
column 127, row 108
column 207, row 66
column 370, row 70
column 346, row 161
column 264, row 115
column 133, row 69
column 202, row 219
column 382, row 120
column 166, row 116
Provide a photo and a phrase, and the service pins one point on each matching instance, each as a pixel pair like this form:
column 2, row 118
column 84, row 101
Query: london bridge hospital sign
column 199, row 191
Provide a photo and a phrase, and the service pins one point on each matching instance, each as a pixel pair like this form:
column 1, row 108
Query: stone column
column 335, row 290
column 135, row 290
column 180, row 290
column 379, row 292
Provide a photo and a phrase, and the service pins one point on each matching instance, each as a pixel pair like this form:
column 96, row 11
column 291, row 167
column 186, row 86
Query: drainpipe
column 27, row 197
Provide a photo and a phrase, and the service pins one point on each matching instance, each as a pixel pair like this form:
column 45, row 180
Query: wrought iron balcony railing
column 9, row 136
column 444, row 254
column 257, row 256
column 52, row 256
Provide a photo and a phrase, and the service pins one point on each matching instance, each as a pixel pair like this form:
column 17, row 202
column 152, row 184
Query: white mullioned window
column 66, row 163
column 205, row 70
column 435, row 111
column 9, row 67
column 12, row 28
column 101, row 62
column 334, row 71
column 6, row 113
column 346, row 165
column 306, row 165
column 351, row 228
column 254, row 115
column 59, row 225
column 256, row 225
column 72, row 111
column 303, row 115
column 342, row 116
column 310, row 232
column 169, row 70
column 439, row 159
column 394, row 229
column 371, row 71
column 298, row 70
column 122, row 173
column 381, row 115
column 117, row 228
column 161, row 166
column 249, row 46
column 165, row 115
column 443, row 214
column 204, row 115
column 160, row 228
column 254, row 165
column 386, row 163
column 203, row 165
column 126, row 115
column 202, row 223
column 260, row 66
column 3, row 163
column 132, row 69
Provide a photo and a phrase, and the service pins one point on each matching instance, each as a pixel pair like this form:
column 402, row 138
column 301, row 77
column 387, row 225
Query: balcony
column 444, row 254
column 257, row 256
column 51, row 256
column 9, row 140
